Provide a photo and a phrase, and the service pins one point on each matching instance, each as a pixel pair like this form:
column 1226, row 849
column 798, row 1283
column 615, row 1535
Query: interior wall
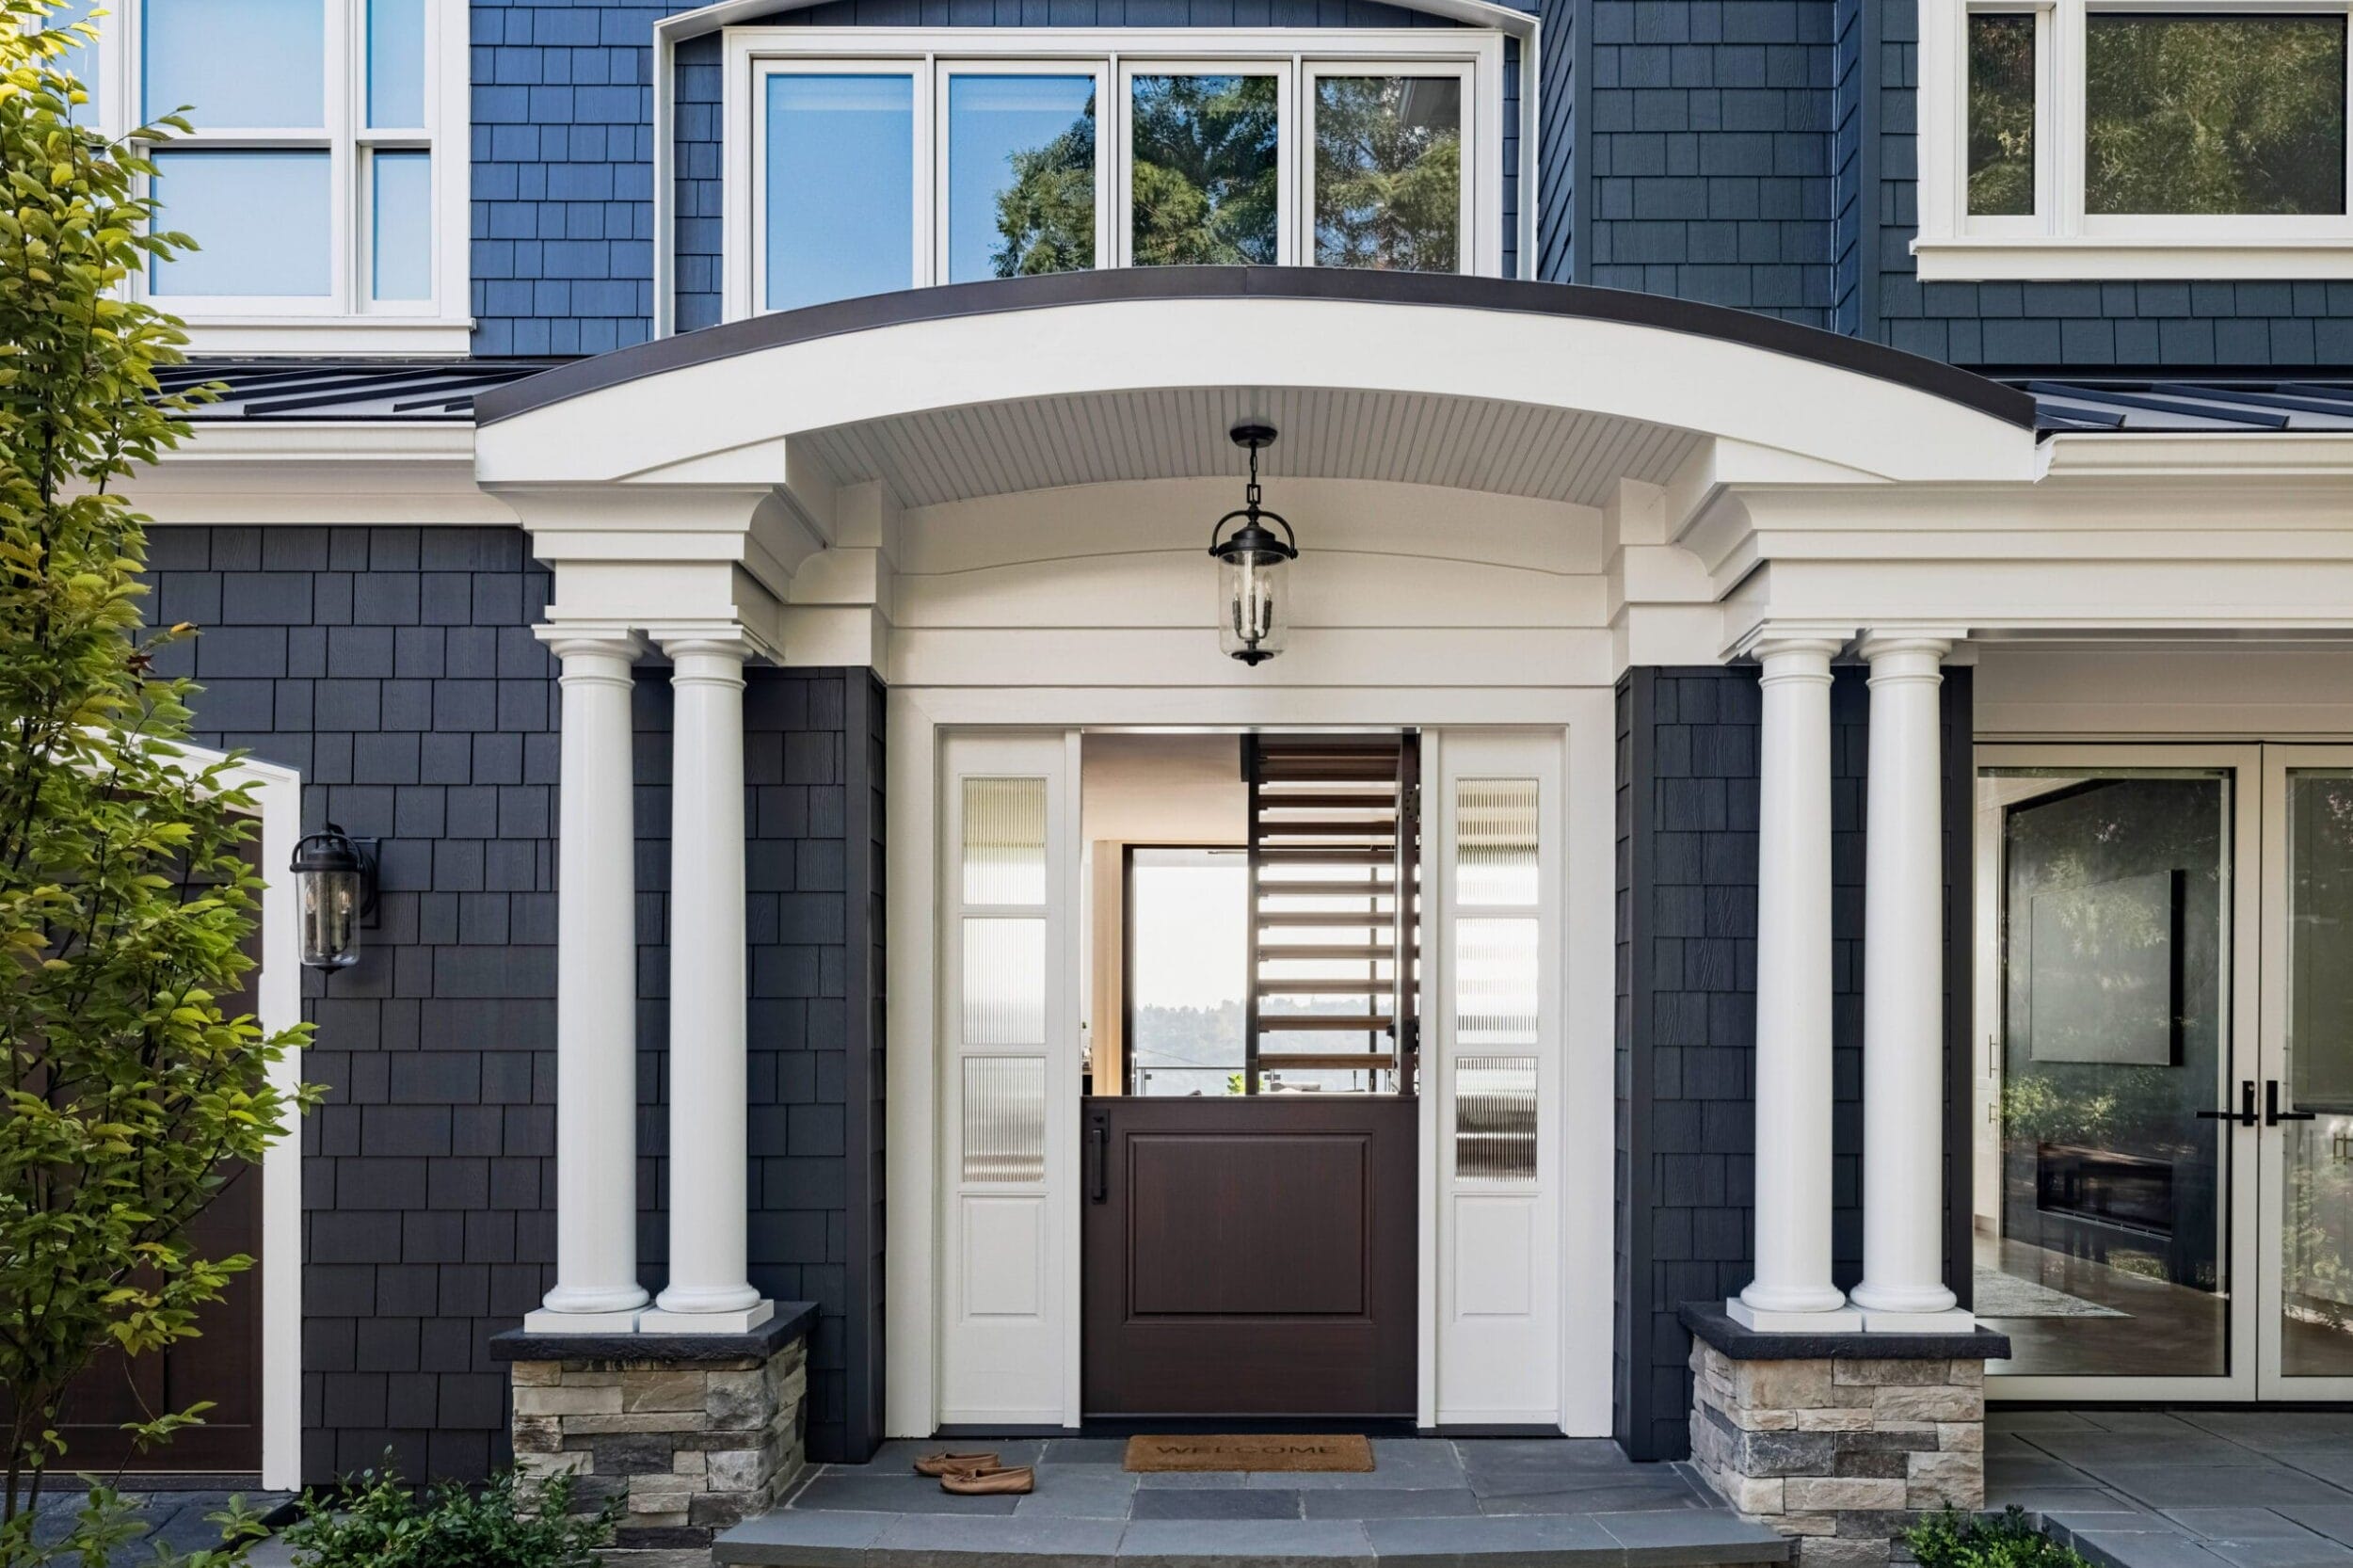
column 1143, row 789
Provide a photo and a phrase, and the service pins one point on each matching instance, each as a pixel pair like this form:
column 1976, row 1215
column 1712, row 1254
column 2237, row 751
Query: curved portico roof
column 1630, row 379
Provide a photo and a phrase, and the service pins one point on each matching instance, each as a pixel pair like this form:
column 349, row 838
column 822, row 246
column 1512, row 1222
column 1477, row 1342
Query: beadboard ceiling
column 1412, row 438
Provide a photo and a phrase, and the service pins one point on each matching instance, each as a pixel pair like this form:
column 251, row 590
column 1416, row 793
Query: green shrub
column 380, row 1521
column 1957, row 1540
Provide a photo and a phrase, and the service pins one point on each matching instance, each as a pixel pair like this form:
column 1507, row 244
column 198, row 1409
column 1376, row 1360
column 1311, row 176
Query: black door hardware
column 2244, row 1116
column 2273, row 1115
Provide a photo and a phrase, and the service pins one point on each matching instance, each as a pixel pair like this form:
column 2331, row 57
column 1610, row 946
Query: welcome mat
column 1256, row 1452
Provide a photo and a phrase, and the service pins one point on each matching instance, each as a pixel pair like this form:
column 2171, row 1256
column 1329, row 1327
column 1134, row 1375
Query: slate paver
column 1364, row 1503
column 1080, row 1492
column 2195, row 1486
column 1267, row 1543
column 1002, row 1543
column 1529, row 1540
column 1652, row 1538
column 836, row 1490
column 1215, row 1503
column 2333, row 1520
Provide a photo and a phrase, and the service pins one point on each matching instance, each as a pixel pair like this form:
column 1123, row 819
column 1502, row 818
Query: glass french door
column 2304, row 1100
column 2164, row 1190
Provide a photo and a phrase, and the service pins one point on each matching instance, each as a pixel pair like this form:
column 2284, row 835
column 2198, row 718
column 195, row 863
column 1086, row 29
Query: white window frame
column 1296, row 57
column 2061, row 240
column 346, row 319
column 1288, row 181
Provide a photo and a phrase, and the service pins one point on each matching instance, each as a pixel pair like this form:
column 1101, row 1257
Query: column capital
column 1881, row 642
column 614, row 641
column 1776, row 640
column 711, row 639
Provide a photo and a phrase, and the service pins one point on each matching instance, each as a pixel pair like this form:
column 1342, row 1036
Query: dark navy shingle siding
column 396, row 669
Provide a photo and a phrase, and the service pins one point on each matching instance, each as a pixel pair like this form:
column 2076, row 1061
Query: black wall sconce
column 335, row 886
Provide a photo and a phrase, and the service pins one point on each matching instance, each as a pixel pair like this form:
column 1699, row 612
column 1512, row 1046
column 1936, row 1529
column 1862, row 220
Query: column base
column 745, row 1321
column 1952, row 1320
column 692, row 1434
column 1843, row 1319
column 544, row 1322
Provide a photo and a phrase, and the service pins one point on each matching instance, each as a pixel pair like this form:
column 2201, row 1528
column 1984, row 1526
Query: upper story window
column 325, row 180
column 862, row 163
column 2086, row 138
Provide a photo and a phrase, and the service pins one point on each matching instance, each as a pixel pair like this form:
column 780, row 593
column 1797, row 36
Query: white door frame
column 914, row 1266
column 2272, row 1382
column 2241, row 1212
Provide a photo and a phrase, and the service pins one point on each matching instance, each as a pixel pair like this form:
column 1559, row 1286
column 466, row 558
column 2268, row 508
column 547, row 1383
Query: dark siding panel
column 395, row 669
column 1688, row 814
column 862, row 1419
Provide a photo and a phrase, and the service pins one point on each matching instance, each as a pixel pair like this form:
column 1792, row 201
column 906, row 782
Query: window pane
column 402, row 212
column 1494, row 840
column 1020, row 176
column 2214, row 114
column 236, row 62
column 395, row 62
column 1389, row 173
column 2001, row 114
column 80, row 60
column 840, row 187
column 2317, row 1236
column 1004, row 982
column 1004, row 1119
column 1004, row 840
column 1206, row 170
column 261, row 218
column 1188, row 958
column 1495, row 1118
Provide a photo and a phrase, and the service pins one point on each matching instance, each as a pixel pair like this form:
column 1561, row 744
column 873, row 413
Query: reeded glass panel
column 2214, row 113
column 1004, row 1119
column 1495, row 1118
column 2317, row 1246
column 261, row 218
column 1004, row 840
column 1495, row 841
column 1388, row 172
column 2100, row 1192
column 401, row 225
column 395, row 63
column 1495, row 984
column 1004, row 982
column 2001, row 114
column 1205, row 171
column 80, row 59
column 247, row 63
column 840, row 187
column 1188, row 958
column 1020, row 176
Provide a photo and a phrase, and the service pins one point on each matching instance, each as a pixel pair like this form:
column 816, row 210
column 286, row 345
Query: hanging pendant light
column 1253, row 618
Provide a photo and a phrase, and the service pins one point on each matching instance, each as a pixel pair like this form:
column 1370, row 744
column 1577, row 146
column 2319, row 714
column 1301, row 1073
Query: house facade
column 1802, row 762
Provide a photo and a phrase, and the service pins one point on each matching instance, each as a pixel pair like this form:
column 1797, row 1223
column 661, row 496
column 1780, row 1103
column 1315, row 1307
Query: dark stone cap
column 1710, row 1324
column 793, row 1321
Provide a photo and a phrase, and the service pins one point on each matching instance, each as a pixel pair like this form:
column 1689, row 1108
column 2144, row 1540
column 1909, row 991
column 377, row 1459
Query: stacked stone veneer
column 1842, row 1452
column 692, row 1442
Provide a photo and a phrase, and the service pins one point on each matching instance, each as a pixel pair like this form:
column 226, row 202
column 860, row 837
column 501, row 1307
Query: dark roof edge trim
column 944, row 302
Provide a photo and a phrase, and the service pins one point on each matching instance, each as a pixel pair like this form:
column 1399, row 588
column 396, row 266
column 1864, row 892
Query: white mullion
column 2070, row 123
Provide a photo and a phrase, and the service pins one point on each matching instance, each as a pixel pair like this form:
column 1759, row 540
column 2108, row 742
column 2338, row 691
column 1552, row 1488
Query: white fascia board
column 1989, row 259
column 2236, row 454
column 257, row 473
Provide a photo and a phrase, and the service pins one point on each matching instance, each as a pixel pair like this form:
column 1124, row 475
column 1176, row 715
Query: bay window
column 323, row 182
column 2134, row 138
column 865, row 161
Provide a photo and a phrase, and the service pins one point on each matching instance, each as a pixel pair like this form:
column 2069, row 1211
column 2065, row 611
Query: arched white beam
column 671, row 31
column 707, row 403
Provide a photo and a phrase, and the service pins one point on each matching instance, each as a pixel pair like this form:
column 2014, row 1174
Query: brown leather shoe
column 952, row 1463
column 996, row 1480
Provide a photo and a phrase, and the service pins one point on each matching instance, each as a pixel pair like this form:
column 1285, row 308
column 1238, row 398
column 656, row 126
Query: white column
column 708, row 1293
column 596, row 994
column 1792, row 1286
column 1903, row 994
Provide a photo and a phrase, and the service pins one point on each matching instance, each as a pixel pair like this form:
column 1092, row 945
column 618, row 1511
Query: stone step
column 795, row 1538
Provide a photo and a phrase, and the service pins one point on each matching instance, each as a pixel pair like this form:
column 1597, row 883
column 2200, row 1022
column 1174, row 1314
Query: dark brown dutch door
column 1250, row 1204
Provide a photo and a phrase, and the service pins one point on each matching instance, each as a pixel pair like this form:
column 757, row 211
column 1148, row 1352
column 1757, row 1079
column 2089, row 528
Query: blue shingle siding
column 396, row 669
column 1708, row 126
column 1688, row 754
column 697, row 130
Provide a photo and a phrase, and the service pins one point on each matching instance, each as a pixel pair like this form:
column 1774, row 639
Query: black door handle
column 2244, row 1116
column 1098, row 1162
column 2273, row 1115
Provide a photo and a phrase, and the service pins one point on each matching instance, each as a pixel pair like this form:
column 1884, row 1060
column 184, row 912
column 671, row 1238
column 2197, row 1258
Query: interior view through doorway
column 1250, row 1127
column 2164, row 1084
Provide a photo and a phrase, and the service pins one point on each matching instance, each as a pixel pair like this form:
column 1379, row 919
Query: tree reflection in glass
column 1388, row 181
column 1203, row 170
column 1020, row 176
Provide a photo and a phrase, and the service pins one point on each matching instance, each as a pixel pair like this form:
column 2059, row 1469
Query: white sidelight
column 1903, row 993
column 708, row 1291
column 1792, row 1286
column 596, row 994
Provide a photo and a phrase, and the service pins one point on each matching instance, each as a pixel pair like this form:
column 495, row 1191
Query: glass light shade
column 1255, row 616
column 330, row 907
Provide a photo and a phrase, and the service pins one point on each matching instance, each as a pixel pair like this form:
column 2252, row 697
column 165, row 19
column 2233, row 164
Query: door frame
column 918, row 715
column 2242, row 1211
column 2271, row 1063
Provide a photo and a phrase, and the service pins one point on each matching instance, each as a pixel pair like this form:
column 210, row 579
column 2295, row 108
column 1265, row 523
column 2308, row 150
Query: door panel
column 1250, row 1255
